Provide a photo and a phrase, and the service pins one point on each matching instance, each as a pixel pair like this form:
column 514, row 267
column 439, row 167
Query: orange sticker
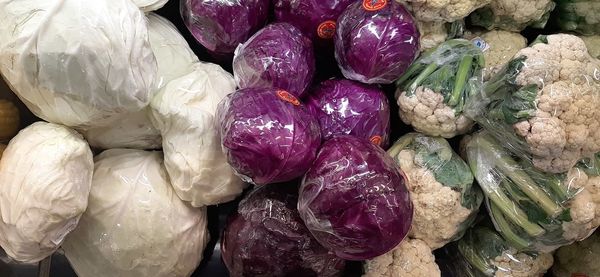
column 376, row 140
column 326, row 30
column 288, row 97
column 374, row 5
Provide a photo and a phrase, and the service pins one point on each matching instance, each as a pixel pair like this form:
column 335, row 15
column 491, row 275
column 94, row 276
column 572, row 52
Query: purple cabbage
column 345, row 107
column 221, row 25
column 268, row 135
column 354, row 199
column 278, row 56
column 376, row 41
column 315, row 18
column 266, row 237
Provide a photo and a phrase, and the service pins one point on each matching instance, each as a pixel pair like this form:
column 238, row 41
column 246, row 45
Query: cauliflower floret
column 580, row 257
column 584, row 207
column 432, row 34
column 518, row 264
column 513, row 15
column 412, row 258
column 442, row 10
column 426, row 111
column 593, row 45
column 503, row 46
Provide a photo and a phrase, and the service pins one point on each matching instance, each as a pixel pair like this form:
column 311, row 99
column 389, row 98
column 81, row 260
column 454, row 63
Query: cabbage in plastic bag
column 345, row 107
column 184, row 111
column 267, row 135
column 266, row 237
column 532, row 209
column 46, row 174
column 375, row 41
column 220, row 25
column 135, row 225
column 278, row 56
column 77, row 62
column 354, row 199
column 441, row 186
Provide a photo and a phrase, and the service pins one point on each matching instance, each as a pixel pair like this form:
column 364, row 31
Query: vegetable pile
column 300, row 137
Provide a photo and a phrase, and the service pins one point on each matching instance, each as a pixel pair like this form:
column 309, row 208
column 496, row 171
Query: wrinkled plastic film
column 578, row 259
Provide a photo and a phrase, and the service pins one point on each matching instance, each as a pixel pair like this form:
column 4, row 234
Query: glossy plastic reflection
column 345, row 107
column 278, row 56
column 375, row 45
column 268, row 135
column 266, row 237
column 354, row 199
column 220, row 25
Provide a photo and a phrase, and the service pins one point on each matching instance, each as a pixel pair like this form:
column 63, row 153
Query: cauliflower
column 432, row 92
column 593, row 45
column 412, row 258
column 441, row 186
column 581, row 16
column 442, row 10
column 9, row 120
column 503, row 46
column 432, row 34
column 532, row 209
column 513, row 15
column 543, row 105
column 578, row 259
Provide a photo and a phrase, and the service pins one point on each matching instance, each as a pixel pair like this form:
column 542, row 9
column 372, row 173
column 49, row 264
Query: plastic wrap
column 513, row 15
column 580, row 16
column 531, row 209
column 375, row 41
column 316, row 19
column 441, row 186
column 278, row 56
column 499, row 47
column 579, row 259
column 9, row 120
column 79, row 63
column 266, row 237
column 345, row 107
column 46, row 174
column 433, row 91
column 482, row 252
column 135, row 225
column 268, row 135
column 184, row 111
column 411, row 258
column 150, row 5
column 220, row 25
column 593, row 45
column 543, row 105
column 442, row 11
column 354, row 199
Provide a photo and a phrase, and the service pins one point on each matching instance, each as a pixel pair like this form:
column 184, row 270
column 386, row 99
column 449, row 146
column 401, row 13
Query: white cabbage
column 184, row 111
column 46, row 174
column 135, row 225
column 77, row 62
column 150, row 5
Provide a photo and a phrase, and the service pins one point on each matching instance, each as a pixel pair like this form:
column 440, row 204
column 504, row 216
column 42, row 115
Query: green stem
column 462, row 76
column 506, row 230
column 473, row 258
column 512, row 170
column 410, row 72
column 421, row 77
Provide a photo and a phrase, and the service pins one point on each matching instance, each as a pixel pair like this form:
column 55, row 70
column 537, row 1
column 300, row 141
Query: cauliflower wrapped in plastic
column 513, row 15
column 442, row 10
column 578, row 259
column 580, row 16
column 79, row 63
column 174, row 59
column 411, row 258
column 501, row 46
column 593, row 45
column 150, row 5
column 441, row 185
column 46, row 174
column 432, row 92
column 184, row 112
column 543, row 105
column 135, row 224
column 532, row 209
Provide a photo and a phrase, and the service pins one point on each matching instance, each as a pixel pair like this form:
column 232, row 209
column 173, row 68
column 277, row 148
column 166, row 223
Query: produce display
column 132, row 211
column 441, row 188
column 259, row 138
column 345, row 107
column 266, row 237
column 268, row 136
column 361, row 210
column 278, row 56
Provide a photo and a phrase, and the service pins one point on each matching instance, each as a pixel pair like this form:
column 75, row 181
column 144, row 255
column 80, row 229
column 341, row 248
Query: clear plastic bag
column 579, row 259
column 534, row 210
column 441, row 185
column 432, row 92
